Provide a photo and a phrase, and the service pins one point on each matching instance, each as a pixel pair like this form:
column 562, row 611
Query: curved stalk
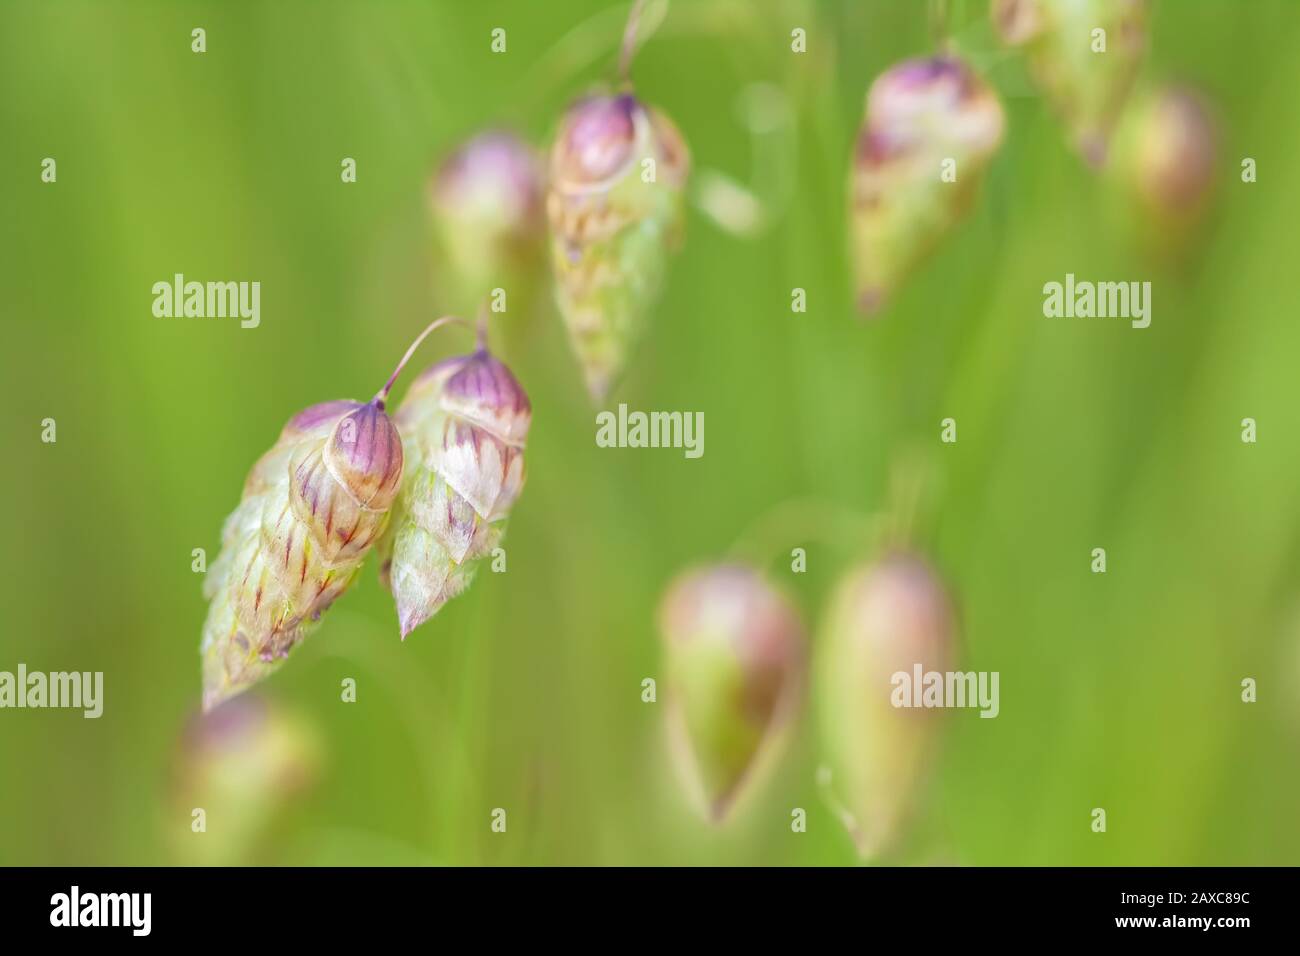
column 382, row 395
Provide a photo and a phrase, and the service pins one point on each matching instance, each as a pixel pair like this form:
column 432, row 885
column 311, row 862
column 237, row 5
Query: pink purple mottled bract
column 311, row 509
column 464, row 424
column 617, row 175
column 930, row 129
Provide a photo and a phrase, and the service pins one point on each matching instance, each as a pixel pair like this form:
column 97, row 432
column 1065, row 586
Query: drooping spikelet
column 734, row 650
column 1085, row 84
column 1169, row 153
column 618, row 172
column 311, row 508
column 930, row 130
column 486, row 204
column 888, row 617
column 464, row 424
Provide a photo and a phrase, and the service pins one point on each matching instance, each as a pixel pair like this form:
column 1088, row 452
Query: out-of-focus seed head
column 494, row 180
column 244, row 764
column 734, row 650
column 914, row 104
column 1016, row 21
column 886, row 617
column 598, row 139
column 1164, row 171
column 920, row 115
column 487, row 205
column 1175, row 159
column 618, row 172
column 1086, row 87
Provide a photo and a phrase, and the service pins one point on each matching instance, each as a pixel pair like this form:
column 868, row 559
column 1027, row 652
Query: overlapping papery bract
column 1087, row 89
column 920, row 115
column 615, row 217
column 464, row 424
column 312, row 507
column 886, row 617
column 486, row 205
column 735, row 652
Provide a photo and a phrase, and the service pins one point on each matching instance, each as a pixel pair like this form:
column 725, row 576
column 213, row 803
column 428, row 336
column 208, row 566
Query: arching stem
column 939, row 22
column 910, row 485
column 628, row 50
column 382, row 395
column 481, row 328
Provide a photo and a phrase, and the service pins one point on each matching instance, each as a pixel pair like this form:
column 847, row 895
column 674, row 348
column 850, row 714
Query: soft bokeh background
column 1119, row 691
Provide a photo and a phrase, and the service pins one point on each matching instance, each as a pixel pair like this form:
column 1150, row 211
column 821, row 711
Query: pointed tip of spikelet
column 409, row 617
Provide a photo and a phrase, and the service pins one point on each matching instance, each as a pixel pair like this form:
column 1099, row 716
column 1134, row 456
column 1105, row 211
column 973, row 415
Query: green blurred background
column 1119, row 691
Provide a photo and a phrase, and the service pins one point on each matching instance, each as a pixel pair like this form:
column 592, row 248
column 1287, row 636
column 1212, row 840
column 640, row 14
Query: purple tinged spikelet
column 495, row 179
column 599, row 140
column 735, row 651
column 464, row 424
column 1087, row 89
column 615, row 202
column 920, row 116
column 1175, row 159
column 311, row 509
column 885, row 617
column 1165, row 163
column 486, row 202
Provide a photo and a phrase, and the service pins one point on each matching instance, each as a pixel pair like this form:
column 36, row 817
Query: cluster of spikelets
column 429, row 487
column 737, row 666
column 735, row 648
column 613, row 189
column 612, row 197
column 932, row 127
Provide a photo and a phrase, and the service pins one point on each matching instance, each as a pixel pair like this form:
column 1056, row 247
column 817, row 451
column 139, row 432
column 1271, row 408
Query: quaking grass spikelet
column 1167, row 154
column 615, row 203
column 1085, row 85
column 888, row 616
column 920, row 116
column 486, row 205
column 464, row 423
column 734, row 649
